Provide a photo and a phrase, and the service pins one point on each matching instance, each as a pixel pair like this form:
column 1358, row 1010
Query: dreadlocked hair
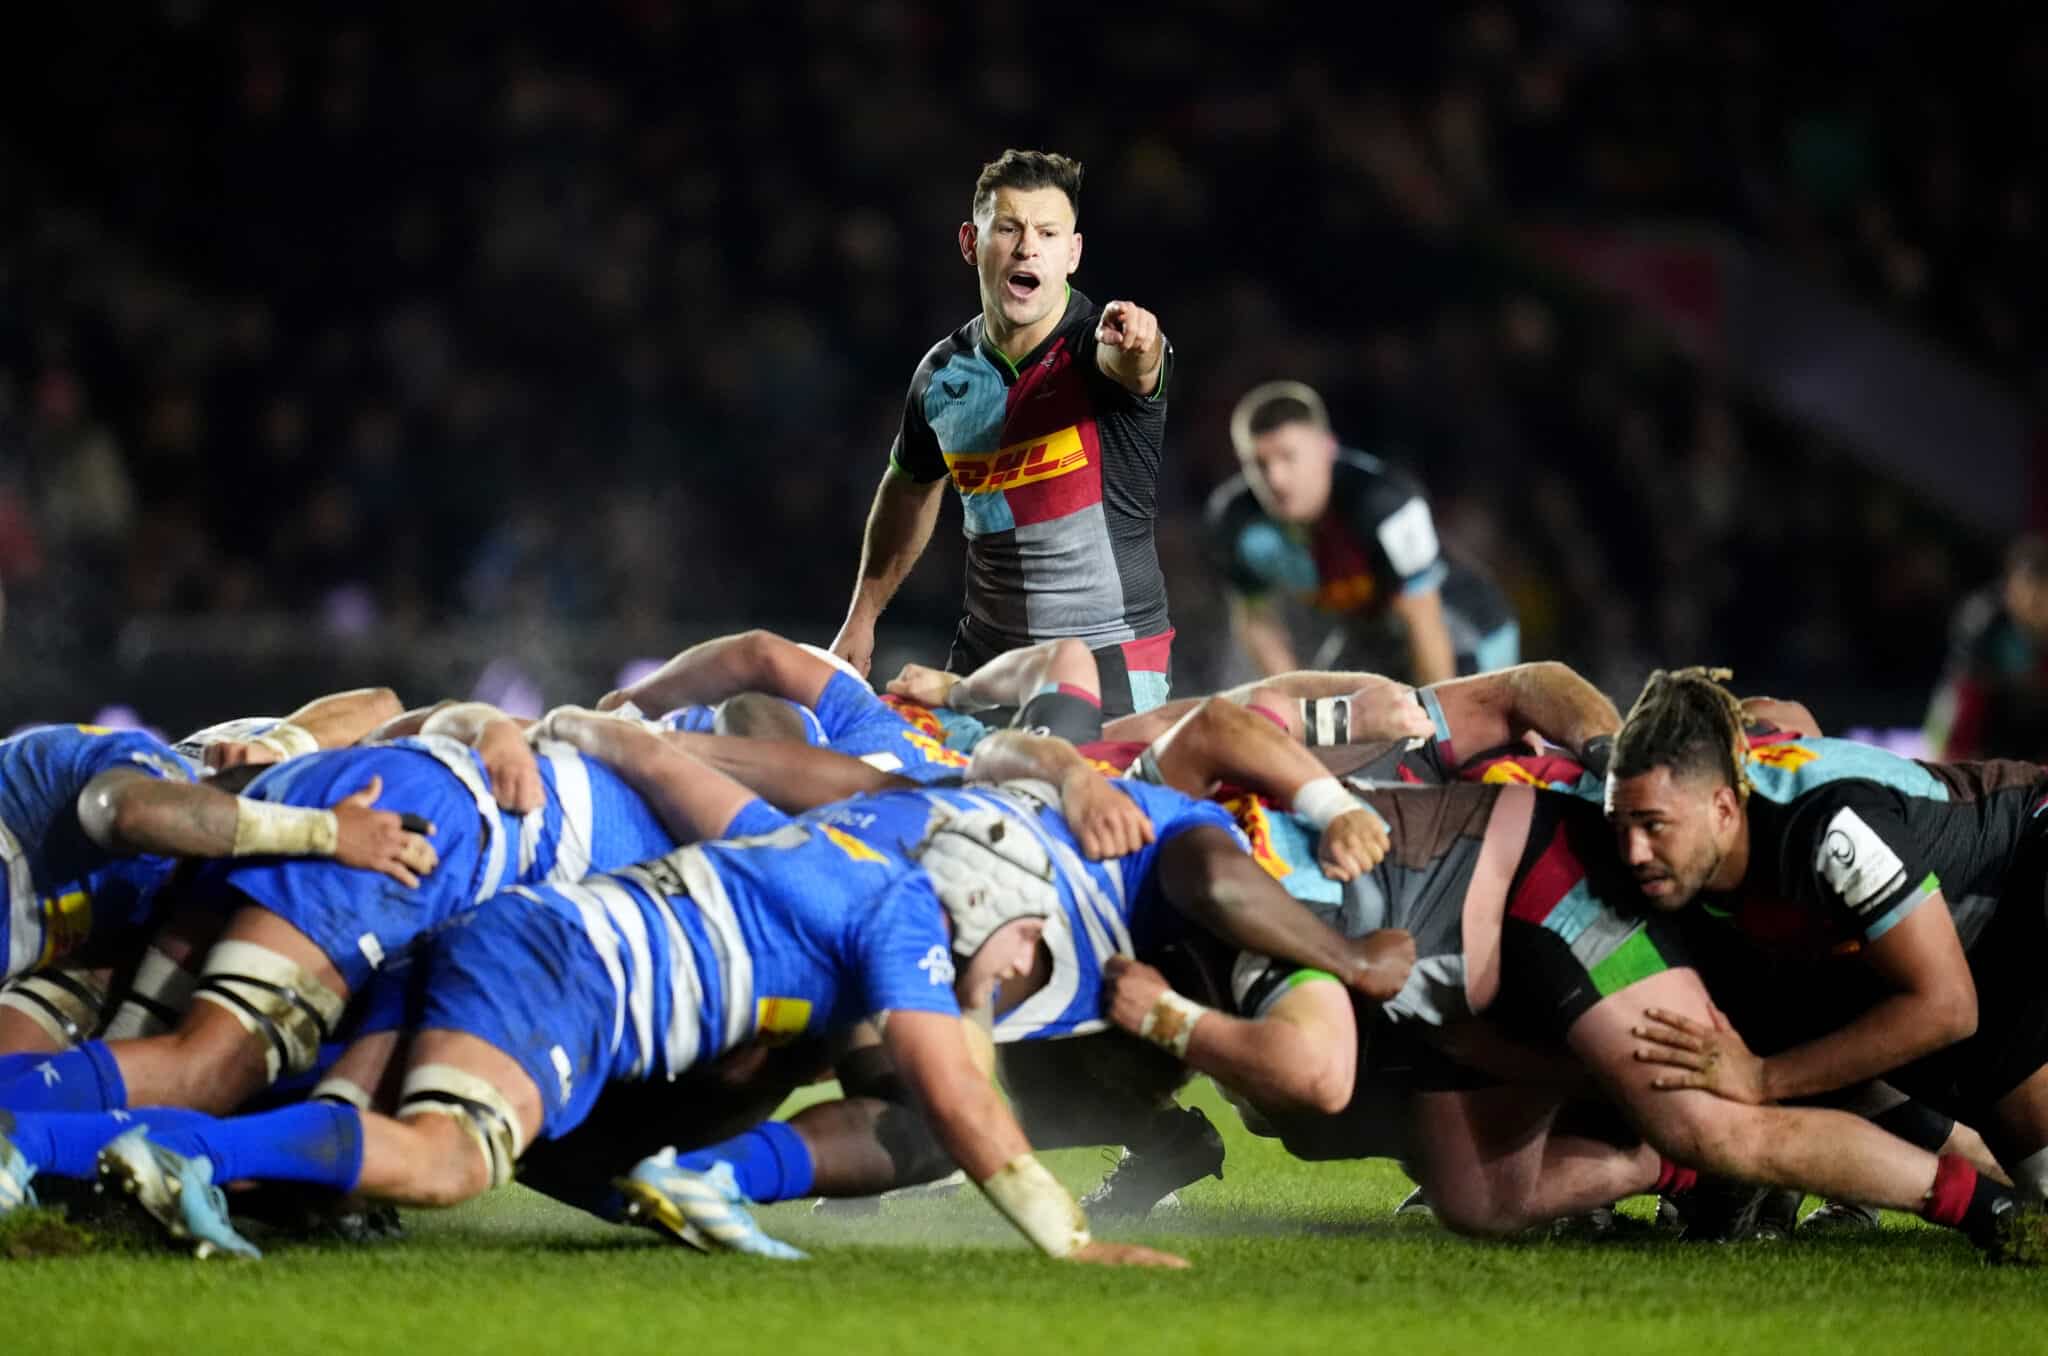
column 1687, row 721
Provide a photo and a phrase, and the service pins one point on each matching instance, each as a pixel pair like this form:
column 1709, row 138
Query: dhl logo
column 67, row 922
column 1252, row 816
column 778, row 1020
column 1346, row 594
column 1789, row 756
column 853, row 847
column 1026, row 463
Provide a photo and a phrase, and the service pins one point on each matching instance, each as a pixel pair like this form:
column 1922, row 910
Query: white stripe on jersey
column 574, row 839
column 597, row 927
column 457, row 759
column 631, row 925
column 24, row 908
column 684, row 1041
column 728, row 943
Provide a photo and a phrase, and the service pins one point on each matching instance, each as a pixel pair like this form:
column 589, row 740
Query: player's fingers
column 398, row 872
column 368, row 795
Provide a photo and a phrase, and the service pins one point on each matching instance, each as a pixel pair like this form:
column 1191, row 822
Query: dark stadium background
column 480, row 350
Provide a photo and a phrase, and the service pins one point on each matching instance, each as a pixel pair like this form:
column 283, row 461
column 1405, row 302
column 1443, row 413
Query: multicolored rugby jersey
column 62, row 888
column 1374, row 543
column 1846, row 840
column 1057, row 469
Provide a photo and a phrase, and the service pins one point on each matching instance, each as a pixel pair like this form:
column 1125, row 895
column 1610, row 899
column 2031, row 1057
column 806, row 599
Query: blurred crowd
column 392, row 318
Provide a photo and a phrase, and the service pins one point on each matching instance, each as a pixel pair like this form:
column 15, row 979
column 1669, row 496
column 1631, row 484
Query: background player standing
column 1353, row 538
column 1047, row 415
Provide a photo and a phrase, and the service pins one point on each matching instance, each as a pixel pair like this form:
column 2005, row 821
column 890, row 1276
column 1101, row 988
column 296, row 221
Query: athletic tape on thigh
column 66, row 1004
column 156, row 1001
column 272, row 998
column 476, row 1105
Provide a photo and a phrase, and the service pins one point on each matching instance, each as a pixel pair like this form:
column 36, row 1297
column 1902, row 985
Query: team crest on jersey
column 1789, row 756
column 1346, row 593
column 1019, row 464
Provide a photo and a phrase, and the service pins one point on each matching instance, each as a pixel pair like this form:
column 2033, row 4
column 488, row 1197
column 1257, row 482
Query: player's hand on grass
column 855, row 643
column 1383, row 960
column 1131, row 344
column 1384, row 709
column 1353, row 844
column 378, row 840
column 1711, row 1058
column 1103, row 1254
column 513, row 770
column 1105, row 821
column 925, row 686
column 1130, row 989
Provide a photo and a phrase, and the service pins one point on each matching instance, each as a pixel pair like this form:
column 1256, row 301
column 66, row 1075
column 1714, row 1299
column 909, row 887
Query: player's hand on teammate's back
column 1130, row 989
column 511, row 766
column 1387, row 709
column 1103, row 1254
column 1353, row 844
column 1106, row 822
column 925, row 686
column 377, row 840
column 855, row 643
column 1384, row 960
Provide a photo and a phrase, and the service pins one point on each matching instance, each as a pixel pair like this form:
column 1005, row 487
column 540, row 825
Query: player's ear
column 1074, row 259
column 970, row 235
column 1727, row 808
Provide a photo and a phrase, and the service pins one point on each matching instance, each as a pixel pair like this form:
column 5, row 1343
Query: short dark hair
column 1027, row 170
column 1687, row 721
column 1279, row 412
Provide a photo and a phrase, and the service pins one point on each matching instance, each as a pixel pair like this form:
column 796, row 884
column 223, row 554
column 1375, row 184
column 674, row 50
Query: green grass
column 1288, row 1257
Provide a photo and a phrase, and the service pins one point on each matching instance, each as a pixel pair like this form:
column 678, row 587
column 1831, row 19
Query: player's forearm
column 1891, row 1033
column 408, row 723
column 1211, row 881
column 1431, row 657
column 1307, row 684
column 1016, row 676
column 467, row 722
column 1263, row 636
column 710, row 672
column 692, row 800
column 1554, row 701
column 1222, row 742
column 792, row 777
column 899, row 528
column 1018, row 755
column 340, row 719
column 128, row 814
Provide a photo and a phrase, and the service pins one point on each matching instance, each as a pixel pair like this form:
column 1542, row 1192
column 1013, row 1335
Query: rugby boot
column 1415, row 1205
column 1719, row 1210
column 1837, row 1218
column 15, row 1173
column 703, row 1210
column 1147, row 1177
column 178, row 1192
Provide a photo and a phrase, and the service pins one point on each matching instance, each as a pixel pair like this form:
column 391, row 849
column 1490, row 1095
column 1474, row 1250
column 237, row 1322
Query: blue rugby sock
column 68, row 1143
column 770, row 1162
column 316, row 1142
column 81, row 1079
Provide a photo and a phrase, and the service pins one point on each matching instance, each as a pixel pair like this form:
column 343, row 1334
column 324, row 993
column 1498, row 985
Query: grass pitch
column 1288, row 1257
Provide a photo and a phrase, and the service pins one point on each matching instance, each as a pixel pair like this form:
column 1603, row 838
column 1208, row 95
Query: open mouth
column 1023, row 284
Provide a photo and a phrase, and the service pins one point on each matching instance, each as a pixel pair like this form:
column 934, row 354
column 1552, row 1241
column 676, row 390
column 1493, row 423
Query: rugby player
column 92, row 823
column 1932, row 874
column 1047, row 414
column 302, row 937
column 1353, row 537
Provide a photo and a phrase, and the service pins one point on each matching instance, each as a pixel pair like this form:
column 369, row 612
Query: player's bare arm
column 751, row 661
column 899, row 528
column 1933, row 1004
column 500, row 740
column 692, row 800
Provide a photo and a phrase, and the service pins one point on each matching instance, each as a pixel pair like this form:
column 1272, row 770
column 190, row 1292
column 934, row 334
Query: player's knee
column 1475, row 1212
column 1073, row 663
column 472, row 1126
column 757, row 715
